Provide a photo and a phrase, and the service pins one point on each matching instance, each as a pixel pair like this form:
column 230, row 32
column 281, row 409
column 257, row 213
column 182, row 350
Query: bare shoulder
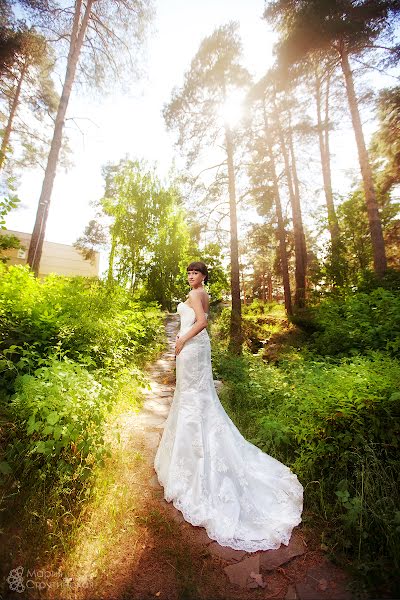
column 201, row 295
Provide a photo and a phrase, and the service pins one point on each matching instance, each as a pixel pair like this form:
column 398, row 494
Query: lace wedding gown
column 243, row 497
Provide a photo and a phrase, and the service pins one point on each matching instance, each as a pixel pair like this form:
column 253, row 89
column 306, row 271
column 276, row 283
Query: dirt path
column 134, row 545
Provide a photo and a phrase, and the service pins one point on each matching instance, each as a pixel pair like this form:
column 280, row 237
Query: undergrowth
column 71, row 348
column 334, row 420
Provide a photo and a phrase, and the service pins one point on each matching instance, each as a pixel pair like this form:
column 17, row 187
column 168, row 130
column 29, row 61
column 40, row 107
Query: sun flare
column 231, row 110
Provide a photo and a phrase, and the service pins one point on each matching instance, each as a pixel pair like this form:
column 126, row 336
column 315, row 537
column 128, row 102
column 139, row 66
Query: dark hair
column 199, row 266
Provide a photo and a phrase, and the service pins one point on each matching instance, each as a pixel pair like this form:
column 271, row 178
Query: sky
column 113, row 126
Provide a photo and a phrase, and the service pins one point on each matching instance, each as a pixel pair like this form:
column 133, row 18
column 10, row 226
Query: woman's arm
column 199, row 325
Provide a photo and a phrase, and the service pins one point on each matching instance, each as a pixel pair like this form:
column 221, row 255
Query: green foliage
column 95, row 324
column 334, row 421
column 8, row 202
column 358, row 322
column 260, row 320
column 7, row 242
column 58, row 416
column 385, row 142
column 355, row 233
column 149, row 233
column 70, row 349
column 320, row 25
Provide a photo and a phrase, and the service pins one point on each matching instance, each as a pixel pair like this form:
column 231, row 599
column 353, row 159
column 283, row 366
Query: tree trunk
column 269, row 287
column 375, row 226
column 263, row 290
column 236, row 315
column 281, row 226
column 300, row 272
column 77, row 37
column 300, row 301
column 13, row 110
column 111, row 259
column 323, row 138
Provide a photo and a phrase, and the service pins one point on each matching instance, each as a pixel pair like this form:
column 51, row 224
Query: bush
column 358, row 323
column 58, row 416
column 95, row 324
column 260, row 320
column 335, row 422
column 68, row 347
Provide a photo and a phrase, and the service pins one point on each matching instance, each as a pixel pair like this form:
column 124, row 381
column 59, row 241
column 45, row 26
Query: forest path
column 154, row 553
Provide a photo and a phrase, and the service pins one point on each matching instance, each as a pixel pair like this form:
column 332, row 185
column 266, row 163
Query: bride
column 243, row 497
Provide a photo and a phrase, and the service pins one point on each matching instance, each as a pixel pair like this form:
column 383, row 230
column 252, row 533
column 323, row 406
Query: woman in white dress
column 244, row 498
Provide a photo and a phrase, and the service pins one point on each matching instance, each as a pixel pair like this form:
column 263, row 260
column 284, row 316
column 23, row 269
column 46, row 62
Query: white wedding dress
column 243, row 497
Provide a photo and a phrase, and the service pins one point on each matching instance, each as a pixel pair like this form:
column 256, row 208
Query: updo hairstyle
column 199, row 266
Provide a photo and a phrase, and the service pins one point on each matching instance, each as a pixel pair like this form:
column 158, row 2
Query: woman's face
column 195, row 278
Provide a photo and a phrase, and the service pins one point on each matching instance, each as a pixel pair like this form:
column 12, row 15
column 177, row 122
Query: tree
column 343, row 27
column 93, row 239
column 102, row 26
column 264, row 177
column 353, row 221
column 194, row 111
column 323, row 69
column 287, row 152
column 385, row 146
column 31, row 69
column 169, row 253
column 131, row 200
column 148, row 230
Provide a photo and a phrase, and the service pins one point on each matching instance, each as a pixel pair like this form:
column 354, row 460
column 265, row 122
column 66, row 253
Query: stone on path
column 226, row 553
column 147, row 419
column 239, row 573
column 271, row 559
column 218, row 385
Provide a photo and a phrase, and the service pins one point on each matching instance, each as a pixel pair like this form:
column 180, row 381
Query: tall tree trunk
column 269, row 287
column 297, row 198
column 243, row 287
column 281, row 226
column 375, row 225
column 300, row 272
column 111, row 258
column 236, row 338
column 263, row 290
column 11, row 116
column 77, row 36
column 323, row 138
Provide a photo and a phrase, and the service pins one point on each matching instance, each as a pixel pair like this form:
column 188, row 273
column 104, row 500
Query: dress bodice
column 187, row 315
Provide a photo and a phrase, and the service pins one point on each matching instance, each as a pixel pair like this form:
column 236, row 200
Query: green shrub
column 58, row 416
column 69, row 346
column 95, row 324
column 358, row 322
column 260, row 320
column 335, row 423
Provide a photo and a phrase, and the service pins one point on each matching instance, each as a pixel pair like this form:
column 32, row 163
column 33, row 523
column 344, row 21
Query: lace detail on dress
column 244, row 498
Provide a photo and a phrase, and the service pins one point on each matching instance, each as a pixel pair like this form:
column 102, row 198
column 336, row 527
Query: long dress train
column 244, row 498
